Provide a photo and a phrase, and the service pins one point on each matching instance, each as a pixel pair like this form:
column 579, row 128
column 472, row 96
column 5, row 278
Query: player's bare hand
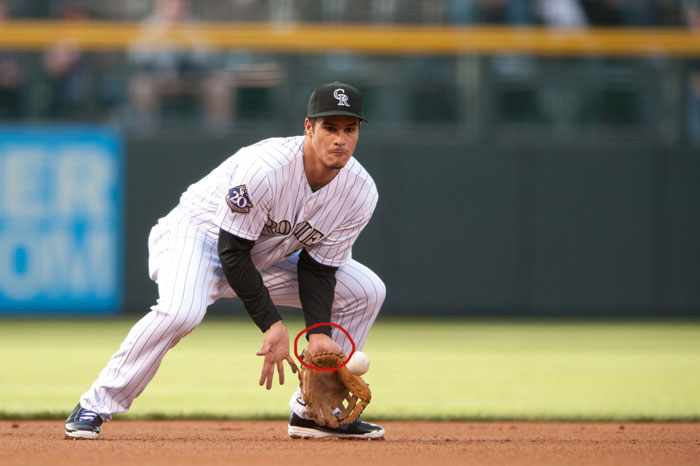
column 275, row 349
column 320, row 343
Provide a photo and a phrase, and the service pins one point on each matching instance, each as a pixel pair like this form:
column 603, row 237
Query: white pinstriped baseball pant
column 189, row 277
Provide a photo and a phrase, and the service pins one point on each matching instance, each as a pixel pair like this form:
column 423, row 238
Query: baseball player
column 274, row 225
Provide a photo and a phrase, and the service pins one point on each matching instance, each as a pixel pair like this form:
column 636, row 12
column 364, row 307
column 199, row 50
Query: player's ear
column 308, row 127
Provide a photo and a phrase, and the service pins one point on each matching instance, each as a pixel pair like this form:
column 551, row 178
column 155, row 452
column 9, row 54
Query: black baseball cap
column 335, row 99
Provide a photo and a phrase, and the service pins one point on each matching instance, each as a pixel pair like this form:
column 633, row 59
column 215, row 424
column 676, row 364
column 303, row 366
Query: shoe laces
column 87, row 416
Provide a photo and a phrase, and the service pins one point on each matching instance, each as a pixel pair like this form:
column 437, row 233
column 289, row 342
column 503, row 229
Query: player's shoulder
column 361, row 175
column 362, row 188
column 272, row 153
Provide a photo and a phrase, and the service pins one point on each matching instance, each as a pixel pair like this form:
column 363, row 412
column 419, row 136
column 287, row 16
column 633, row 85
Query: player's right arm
column 245, row 280
column 243, row 210
column 241, row 218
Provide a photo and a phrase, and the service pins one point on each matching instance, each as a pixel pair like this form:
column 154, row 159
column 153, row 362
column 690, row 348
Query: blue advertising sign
column 60, row 220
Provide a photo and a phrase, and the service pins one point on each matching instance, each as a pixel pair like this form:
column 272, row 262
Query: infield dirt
column 414, row 443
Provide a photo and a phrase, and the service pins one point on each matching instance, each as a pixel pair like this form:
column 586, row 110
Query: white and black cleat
column 305, row 428
column 83, row 424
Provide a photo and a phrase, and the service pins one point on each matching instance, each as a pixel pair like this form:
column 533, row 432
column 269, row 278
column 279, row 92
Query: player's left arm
column 316, row 291
column 316, row 270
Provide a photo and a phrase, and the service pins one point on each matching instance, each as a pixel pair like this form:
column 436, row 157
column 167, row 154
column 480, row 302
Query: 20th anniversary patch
column 238, row 201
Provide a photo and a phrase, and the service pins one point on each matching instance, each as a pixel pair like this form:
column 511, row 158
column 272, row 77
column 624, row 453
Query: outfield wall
column 522, row 170
column 519, row 227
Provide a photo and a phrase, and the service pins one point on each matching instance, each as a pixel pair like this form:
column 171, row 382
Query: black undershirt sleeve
column 245, row 280
column 316, row 292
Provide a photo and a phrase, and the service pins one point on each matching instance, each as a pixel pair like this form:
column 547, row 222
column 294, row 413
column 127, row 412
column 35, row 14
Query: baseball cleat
column 306, row 428
column 83, row 424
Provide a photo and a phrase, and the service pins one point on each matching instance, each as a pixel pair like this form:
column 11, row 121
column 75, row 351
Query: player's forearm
column 316, row 292
column 245, row 280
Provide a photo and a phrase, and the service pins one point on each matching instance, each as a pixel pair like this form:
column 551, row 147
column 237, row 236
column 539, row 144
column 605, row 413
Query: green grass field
column 421, row 369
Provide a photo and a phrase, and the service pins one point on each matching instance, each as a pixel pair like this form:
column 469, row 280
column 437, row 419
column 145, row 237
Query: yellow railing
column 370, row 39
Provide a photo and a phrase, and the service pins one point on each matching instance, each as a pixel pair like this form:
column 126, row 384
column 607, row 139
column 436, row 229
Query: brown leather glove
column 333, row 398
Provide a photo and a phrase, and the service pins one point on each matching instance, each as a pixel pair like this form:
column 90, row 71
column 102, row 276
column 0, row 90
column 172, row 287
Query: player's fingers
column 265, row 374
column 280, row 371
column 270, row 378
column 292, row 365
column 270, row 373
column 263, row 351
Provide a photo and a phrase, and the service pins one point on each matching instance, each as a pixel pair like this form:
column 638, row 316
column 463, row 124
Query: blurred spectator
column 11, row 77
column 176, row 80
column 559, row 13
column 692, row 13
column 65, row 69
column 489, row 12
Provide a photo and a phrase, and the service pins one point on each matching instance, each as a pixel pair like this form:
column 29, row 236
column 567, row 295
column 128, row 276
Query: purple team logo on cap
column 341, row 96
column 238, row 201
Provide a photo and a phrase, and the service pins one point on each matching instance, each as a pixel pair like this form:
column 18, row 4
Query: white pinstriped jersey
column 261, row 193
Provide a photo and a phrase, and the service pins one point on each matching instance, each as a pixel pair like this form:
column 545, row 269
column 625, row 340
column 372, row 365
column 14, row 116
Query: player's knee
column 180, row 322
column 359, row 290
column 380, row 292
column 374, row 294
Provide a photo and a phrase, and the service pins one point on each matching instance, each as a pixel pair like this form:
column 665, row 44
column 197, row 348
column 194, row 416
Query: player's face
column 333, row 139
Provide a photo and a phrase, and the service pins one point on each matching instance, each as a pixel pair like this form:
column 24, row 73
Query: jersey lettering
column 306, row 234
column 273, row 228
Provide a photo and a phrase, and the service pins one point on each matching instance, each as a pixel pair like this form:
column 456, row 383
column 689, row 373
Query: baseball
column 358, row 363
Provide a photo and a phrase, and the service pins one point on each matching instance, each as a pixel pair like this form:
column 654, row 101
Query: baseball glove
column 333, row 398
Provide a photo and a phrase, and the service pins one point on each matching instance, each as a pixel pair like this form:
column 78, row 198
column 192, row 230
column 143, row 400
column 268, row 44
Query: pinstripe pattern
column 183, row 257
column 359, row 294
